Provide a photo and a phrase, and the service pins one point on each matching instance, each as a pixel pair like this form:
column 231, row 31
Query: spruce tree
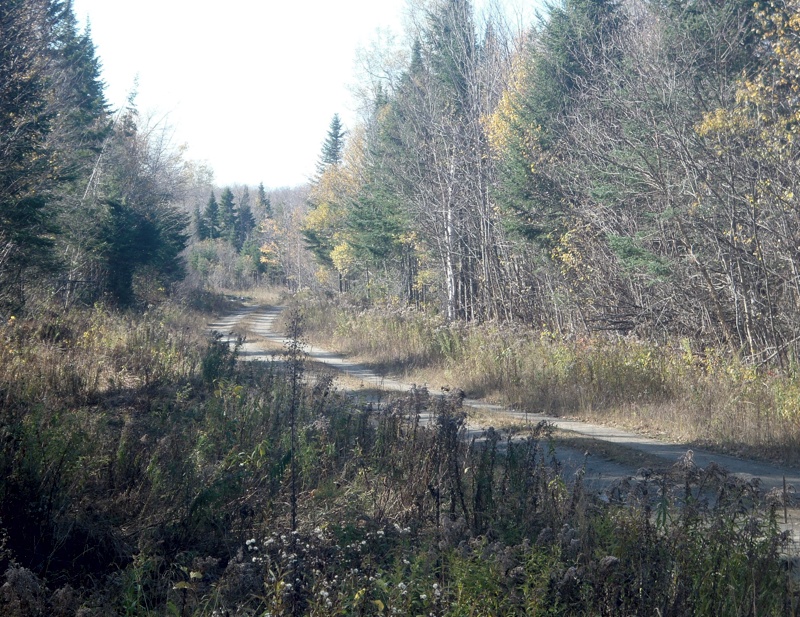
column 211, row 217
column 145, row 232
column 81, row 126
column 227, row 216
column 78, row 105
column 200, row 225
column 244, row 220
column 333, row 147
column 264, row 203
column 25, row 183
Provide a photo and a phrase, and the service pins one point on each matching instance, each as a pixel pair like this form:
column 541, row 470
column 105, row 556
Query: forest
column 624, row 167
column 627, row 167
column 594, row 214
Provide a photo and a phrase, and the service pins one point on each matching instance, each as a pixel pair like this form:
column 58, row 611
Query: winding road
column 262, row 342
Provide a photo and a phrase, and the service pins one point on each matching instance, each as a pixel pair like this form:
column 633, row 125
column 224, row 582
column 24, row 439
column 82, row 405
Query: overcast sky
column 249, row 85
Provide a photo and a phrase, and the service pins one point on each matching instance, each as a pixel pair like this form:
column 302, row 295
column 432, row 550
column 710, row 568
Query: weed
column 198, row 486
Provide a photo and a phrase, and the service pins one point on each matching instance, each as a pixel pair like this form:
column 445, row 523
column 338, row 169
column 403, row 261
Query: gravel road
column 263, row 342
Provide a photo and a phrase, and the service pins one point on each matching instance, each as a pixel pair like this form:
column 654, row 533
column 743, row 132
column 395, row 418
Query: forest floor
column 607, row 454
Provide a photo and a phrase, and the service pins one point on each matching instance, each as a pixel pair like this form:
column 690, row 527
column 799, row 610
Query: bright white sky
column 249, row 85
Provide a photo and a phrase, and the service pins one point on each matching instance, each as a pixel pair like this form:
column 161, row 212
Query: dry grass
column 257, row 295
column 147, row 473
column 709, row 398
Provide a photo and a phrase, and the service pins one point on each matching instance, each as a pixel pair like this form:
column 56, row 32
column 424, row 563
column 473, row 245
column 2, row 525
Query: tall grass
column 157, row 476
column 701, row 396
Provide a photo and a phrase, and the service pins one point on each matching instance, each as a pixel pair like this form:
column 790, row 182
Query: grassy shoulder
column 146, row 472
column 706, row 398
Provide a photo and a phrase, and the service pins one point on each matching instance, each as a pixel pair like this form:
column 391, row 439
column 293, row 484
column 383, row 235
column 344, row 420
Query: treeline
column 87, row 195
column 227, row 239
column 241, row 240
column 628, row 166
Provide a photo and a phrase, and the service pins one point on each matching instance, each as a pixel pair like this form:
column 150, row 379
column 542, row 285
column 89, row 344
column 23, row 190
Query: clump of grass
column 401, row 516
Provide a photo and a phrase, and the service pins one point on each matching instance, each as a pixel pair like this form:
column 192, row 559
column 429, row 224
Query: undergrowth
column 706, row 397
column 145, row 472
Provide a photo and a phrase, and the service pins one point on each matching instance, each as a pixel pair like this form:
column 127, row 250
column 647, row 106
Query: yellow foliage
column 270, row 253
column 505, row 127
column 766, row 102
column 338, row 183
column 331, row 197
column 425, row 278
column 322, row 275
column 343, row 257
column 570, row 252
column 324, row 216
column 764, row 121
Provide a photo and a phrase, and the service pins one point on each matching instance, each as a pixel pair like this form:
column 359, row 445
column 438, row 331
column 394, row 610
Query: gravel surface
column 263, row 343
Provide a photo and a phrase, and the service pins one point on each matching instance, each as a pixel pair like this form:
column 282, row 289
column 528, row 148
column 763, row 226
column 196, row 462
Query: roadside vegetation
column 706, row 397
column 145, row 472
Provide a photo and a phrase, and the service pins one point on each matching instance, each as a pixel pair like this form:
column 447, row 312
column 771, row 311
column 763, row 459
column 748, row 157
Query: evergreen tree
column 333, row 147
column 264, row 203
column 211, row 217
column 252, row 248
column 200, row 225
column 245, row 223
column 80, row 128
column 79, row 108
column 145, row 232
column 551, row 74
column 227, row 216
column 25, row 184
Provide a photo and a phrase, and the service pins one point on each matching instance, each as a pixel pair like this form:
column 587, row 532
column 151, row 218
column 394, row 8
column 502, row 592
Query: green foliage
column 245, row 223
column 210, row 219
column 635, row 258
column 264, row 204
column 218, row 361
column 72, row 177
column 227, row 216
column 25, row 183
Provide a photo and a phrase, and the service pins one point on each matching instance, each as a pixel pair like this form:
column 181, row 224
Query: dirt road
column 264, row 343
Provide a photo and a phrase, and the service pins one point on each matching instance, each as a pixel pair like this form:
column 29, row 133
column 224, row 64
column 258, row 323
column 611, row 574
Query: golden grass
column 257, row 295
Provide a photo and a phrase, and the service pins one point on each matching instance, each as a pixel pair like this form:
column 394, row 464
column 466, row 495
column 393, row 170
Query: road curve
column 258, row 324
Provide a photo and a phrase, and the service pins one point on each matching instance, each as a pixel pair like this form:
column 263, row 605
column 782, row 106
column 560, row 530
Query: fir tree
column 25, row 181
column 200, row 225
column 144, row 231
column 227, row 216
column 244, row 221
